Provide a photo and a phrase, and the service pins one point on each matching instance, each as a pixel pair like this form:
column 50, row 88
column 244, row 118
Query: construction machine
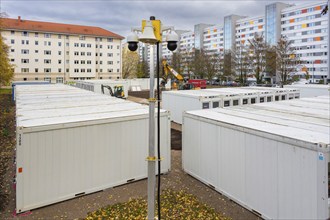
column 118, row 91
column 182, row 84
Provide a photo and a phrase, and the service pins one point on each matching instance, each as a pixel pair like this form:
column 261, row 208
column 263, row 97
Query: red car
column 198, row 83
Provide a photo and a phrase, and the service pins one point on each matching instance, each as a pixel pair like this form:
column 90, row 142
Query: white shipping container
column 72, row 142
column 271, row 158
column 184, row 100
column 310, row 90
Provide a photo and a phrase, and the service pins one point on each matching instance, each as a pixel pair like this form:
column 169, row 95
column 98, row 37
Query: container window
column 296, row 96
column 215, row 104
column 277, row 98
column 269, row 99
column 283, row 97
column 206, row 105
column 253, row 100
column 235, row 102
column 226, row 103
column 245, row 101
column 262, row 99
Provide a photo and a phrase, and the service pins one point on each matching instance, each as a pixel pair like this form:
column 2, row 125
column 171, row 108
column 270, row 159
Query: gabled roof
column 49, row 27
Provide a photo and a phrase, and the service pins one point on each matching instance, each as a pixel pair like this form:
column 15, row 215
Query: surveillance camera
column 132, row 40
column 172, row 40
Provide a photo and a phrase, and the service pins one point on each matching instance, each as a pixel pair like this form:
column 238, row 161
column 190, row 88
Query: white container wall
column 72, row 142
column 271, row 158
column 310, row 90
column 184, row 100
column 95, row 85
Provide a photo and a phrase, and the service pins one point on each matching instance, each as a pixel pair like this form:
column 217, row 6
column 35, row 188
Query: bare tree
column 199, row 64
column 286, row 59
column 240, row 59
column 177, row 62
column 228, row 64
column 270, row 62
column 130, row 64
column 142, row 69
column 212, row 65
column 257, row 56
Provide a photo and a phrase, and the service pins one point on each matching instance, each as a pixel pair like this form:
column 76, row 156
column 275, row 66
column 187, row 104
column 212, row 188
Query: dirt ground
column 176, row 179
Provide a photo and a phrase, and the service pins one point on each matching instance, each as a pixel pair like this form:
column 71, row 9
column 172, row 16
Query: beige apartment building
column 59, row 53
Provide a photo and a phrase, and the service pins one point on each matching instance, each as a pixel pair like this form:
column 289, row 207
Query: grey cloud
column 120, row 16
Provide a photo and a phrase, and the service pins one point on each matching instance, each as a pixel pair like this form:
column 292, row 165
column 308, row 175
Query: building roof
column 27, row 25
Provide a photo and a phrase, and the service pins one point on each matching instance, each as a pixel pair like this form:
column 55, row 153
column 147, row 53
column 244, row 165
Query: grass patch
column 5, row 91
column 174, row 205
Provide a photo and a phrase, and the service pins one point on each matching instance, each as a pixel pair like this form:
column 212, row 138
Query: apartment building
column 308, row 30
column 61, row 52
column 213, row 40
column 246, row 28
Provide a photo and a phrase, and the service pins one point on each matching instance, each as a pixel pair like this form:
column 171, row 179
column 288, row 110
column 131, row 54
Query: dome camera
column 172, row 40
column 132, row 40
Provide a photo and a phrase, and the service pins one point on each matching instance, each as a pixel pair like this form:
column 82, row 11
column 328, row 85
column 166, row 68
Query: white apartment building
column 187, row 42
column 308, row 29
column 61, row 52
column 213, row 40
column 246, row 28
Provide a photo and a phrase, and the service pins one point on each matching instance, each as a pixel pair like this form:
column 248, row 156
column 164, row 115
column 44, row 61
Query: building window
column 76, row 53
column 47, row 70
column 81, row 37
column 36, row 70
column 76, row 62
column 36, row 34
column 59, row 70
column 110, row 54
column 82, row 70
column 82, row 62
column 67, row 70
column 12, row 60
column 47, row 35
column 117, row 70
column 67, row 53
column 47, row 43
column 36, row 42
column 67, row 37
column 47, row 61
column 89, row 54
column 25, row 51
column 36, row 60
column 89, row 62
column 110, row 62
column 82, row 45
column 76, row 70
column 110, row 39
column 101, row 62
column 59, row 36
column 59, row 52
column 100, row 54
column 59, row 44
column 12, row 32
column 36, row 51
column 47, row 52
column 89, row 45
column 36, row 78
column 101, row 70
column 82, row 53
column 110, row 70
column 25, row 79
column 67, row 44
column 101, row 46
column 118, row 47
column 12, row 50
column 110, row 46
column 89, row 70
column 25, row 34
column 76, row 45
column 59, row 79
column 25, row 70
column 48, row 79
column 59, row 61
column 25, row 60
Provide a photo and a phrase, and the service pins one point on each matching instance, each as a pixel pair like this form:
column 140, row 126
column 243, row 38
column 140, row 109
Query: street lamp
column 152, row 34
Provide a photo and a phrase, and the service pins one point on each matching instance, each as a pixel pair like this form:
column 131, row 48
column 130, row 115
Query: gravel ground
column 176, row 179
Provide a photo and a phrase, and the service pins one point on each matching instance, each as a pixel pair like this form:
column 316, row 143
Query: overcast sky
column 120, row 16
